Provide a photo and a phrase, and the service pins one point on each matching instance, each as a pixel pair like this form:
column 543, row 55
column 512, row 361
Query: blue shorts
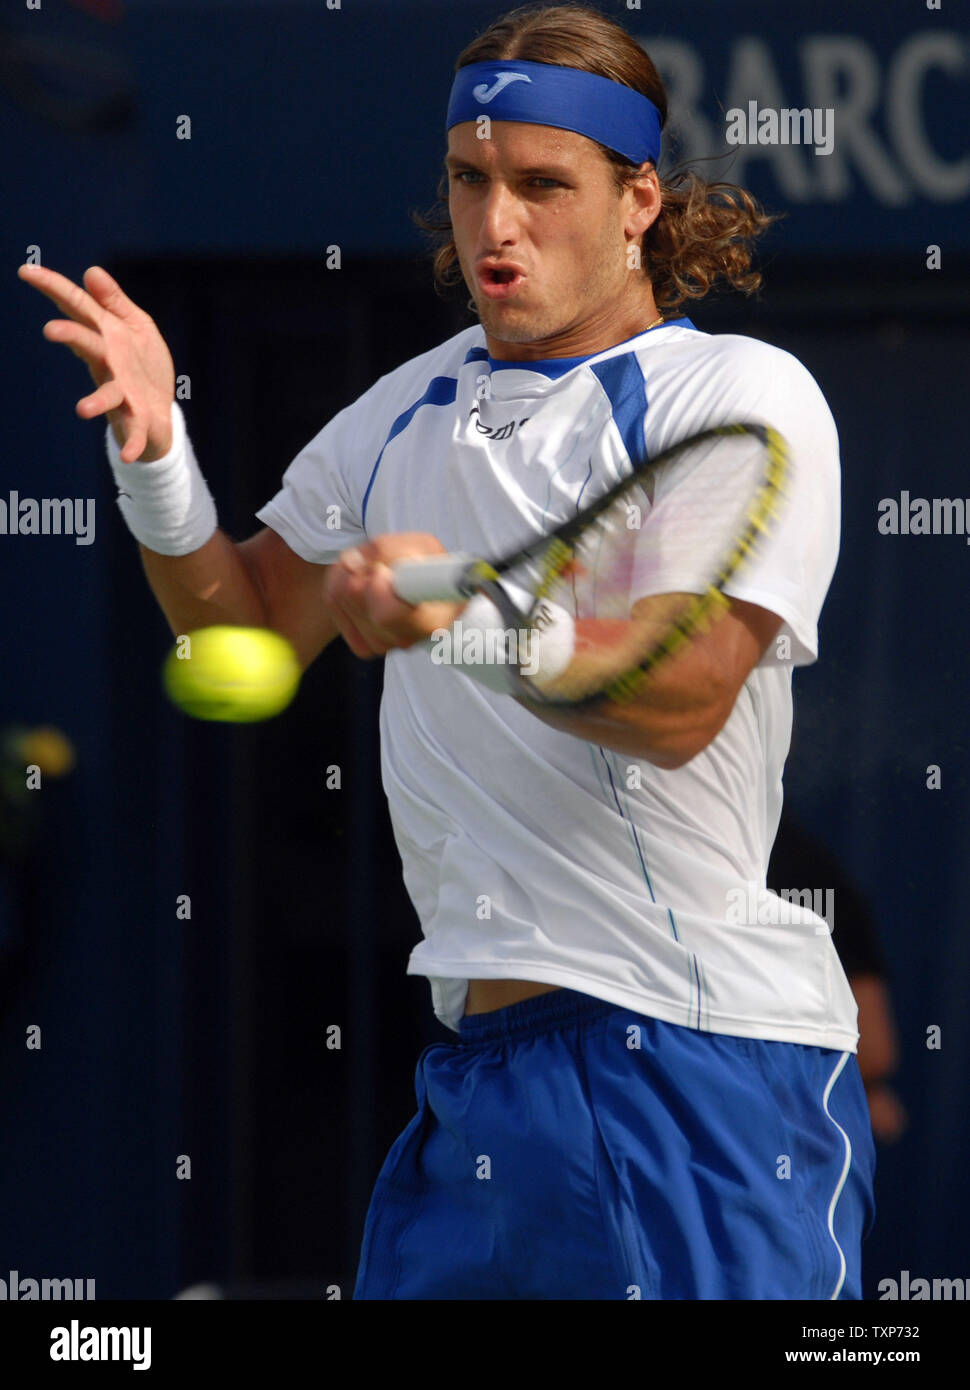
column 567, row 1148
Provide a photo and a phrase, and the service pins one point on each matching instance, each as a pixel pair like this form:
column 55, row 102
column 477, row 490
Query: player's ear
column 644, row 200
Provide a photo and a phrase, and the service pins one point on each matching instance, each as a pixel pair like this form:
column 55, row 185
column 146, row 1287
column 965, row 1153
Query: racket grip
column 436, row 578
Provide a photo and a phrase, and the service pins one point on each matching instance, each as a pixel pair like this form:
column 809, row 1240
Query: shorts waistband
column 543, row 1013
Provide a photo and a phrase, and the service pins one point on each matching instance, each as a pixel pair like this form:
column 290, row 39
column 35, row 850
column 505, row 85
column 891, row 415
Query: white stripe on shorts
column 844, row 1174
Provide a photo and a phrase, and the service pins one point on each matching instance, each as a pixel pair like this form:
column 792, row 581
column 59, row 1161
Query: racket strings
column 685, row 529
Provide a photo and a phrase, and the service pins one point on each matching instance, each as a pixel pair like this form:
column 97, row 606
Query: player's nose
column 500, row 219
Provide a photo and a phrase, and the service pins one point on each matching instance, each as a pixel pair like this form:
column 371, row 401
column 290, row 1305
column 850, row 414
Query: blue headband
column 541, row 94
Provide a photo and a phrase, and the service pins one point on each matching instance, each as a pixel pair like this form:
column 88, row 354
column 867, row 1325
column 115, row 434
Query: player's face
column 542, row 238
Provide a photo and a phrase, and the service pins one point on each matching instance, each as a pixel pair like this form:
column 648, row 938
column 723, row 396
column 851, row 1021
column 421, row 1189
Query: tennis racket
column 681, row 524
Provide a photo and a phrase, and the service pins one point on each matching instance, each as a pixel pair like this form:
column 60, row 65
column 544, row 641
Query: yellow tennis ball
column 234, row 674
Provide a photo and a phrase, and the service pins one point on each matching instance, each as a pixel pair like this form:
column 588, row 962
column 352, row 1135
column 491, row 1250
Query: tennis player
column 645, row 1096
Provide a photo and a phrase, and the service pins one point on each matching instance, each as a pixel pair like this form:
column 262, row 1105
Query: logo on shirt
column 500, row 431
column 486, row 94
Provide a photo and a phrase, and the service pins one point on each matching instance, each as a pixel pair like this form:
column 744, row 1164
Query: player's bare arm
column 135, row 378
column 687, row 701
column 681, row 709
column 259, row 582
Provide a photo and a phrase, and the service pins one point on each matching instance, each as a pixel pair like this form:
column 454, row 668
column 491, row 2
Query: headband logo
column 484, row 93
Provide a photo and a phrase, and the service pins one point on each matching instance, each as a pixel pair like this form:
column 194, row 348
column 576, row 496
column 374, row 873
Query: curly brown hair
column 705, row 232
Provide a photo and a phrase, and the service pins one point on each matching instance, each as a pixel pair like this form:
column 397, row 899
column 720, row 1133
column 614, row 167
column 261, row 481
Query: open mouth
column 498, row 282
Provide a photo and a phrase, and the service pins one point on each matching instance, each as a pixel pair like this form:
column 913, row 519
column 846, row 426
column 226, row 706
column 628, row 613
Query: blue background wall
column 313, row 127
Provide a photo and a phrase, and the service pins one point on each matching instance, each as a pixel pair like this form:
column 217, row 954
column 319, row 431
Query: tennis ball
column 238, row 675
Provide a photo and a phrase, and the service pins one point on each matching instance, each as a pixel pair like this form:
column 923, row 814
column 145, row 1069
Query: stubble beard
column 514, row 324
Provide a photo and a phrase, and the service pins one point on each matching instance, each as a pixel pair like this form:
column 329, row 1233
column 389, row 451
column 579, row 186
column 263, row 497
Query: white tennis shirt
column 529, row 853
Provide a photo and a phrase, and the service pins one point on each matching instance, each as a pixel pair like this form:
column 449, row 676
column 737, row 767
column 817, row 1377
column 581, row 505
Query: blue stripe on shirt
column 442, row 390
column 622, row 380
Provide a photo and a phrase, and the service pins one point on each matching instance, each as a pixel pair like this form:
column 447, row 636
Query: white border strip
column 845, row 1171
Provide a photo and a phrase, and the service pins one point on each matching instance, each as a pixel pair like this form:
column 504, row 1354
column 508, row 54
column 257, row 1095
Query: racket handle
column 436, row 578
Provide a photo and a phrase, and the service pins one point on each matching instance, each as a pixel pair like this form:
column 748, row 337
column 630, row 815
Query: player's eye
column 461, row 175
column 550, row 183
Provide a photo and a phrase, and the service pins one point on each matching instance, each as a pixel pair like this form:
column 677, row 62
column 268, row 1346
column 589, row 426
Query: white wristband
column 166, row 503
column 481, row 646
column 555, row 635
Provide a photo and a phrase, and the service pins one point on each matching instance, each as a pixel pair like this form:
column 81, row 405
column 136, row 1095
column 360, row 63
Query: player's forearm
column 625, row 729
column 211, row 585
column 682, row 705
column 676, row 715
